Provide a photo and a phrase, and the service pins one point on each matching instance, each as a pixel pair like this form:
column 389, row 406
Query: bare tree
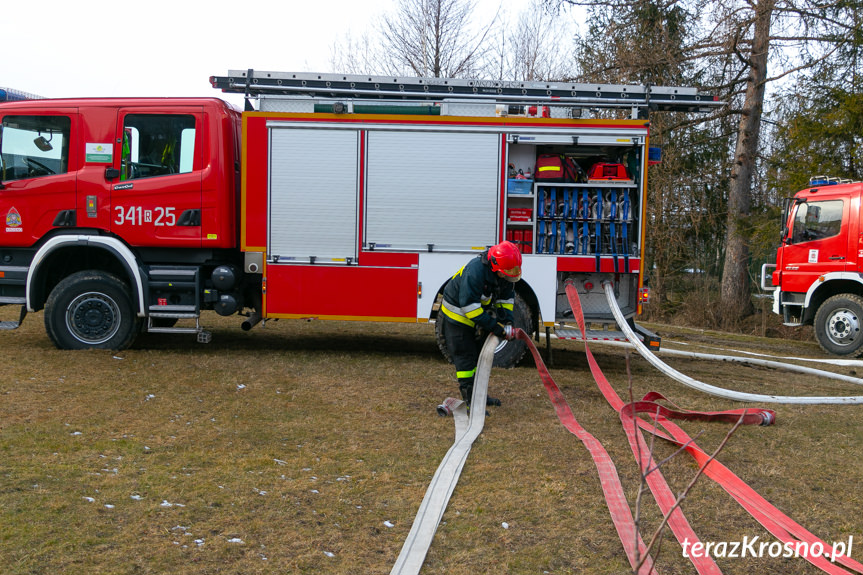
column 533, row 45
column 432, row 38
column 352, row 55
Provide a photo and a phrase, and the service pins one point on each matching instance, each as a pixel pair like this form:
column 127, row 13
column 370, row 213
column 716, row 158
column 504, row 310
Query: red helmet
column 506, row 259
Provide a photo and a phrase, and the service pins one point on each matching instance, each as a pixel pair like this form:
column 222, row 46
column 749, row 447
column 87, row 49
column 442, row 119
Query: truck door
column 156, row 199
column 818, row 243
column 37, row 174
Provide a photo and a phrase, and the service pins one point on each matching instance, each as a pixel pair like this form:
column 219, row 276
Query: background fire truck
column 331, row 197
column 817, row 279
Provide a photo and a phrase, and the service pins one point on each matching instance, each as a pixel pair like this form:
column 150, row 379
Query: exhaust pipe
column 250, row 322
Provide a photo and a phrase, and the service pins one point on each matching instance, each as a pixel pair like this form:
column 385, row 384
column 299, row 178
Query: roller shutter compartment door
column 313, row 195
column 438, row 188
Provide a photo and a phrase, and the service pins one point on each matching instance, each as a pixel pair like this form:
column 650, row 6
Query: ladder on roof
column 644, row 98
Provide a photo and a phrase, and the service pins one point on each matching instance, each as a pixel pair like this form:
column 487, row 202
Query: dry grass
column 301, row 439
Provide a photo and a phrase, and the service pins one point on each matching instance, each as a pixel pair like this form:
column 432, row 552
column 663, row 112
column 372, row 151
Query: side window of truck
column 817, row 220
column 34, row 146
column 157, row 145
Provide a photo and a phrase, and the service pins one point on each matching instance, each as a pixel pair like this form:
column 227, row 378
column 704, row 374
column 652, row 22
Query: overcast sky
column 68, row 48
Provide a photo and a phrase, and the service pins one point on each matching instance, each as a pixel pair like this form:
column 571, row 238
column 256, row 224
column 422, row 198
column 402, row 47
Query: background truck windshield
column 817, row 220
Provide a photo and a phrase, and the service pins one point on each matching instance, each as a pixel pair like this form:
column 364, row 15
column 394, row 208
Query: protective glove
column 499, row 330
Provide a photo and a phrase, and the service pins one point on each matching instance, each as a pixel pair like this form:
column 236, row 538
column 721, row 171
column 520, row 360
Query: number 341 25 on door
column 138, row 216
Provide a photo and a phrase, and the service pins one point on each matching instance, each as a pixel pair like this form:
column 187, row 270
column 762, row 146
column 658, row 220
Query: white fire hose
column 467, row 429
column 727, row 393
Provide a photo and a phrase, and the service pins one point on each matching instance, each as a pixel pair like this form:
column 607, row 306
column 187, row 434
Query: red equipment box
column 519, row 214
column 608, row 172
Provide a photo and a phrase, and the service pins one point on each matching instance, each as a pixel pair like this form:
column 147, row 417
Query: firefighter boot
column 467, row 392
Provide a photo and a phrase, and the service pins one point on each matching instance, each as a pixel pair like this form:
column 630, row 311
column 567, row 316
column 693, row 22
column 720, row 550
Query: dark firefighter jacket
column 474, row 291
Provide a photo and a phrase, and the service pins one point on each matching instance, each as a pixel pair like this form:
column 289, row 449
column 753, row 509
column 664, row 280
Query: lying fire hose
column 468, row 428
column 780, row 525
column 831, row 361
column 768, row 363
column 718, row 391
column 443, row 483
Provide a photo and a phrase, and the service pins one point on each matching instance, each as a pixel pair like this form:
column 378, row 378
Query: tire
column 91, row 310
column 511, row 352
column 839, row 325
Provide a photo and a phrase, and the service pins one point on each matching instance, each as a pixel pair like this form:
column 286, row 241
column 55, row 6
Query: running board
column 178, row 313
column 10, row 325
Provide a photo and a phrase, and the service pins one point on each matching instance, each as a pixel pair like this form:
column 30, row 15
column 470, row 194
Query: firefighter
column 479, row 295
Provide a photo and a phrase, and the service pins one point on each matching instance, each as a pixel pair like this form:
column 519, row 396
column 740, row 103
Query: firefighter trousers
column 464, row 350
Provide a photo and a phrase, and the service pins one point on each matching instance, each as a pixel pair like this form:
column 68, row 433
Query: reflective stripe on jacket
column 473, row 290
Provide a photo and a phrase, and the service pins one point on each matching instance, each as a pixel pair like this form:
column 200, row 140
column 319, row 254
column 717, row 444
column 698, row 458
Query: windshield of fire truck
column 34, row 146
column 817, row 220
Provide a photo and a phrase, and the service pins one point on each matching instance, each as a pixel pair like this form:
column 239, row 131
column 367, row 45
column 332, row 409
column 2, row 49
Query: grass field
column 307, row 448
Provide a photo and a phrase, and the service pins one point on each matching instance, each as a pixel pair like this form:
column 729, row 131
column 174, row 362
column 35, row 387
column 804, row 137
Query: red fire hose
column 779, row 524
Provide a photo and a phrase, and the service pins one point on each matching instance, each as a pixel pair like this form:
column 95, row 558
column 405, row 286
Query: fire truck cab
column 109, row 205
column 818, row 275
column 330, row 197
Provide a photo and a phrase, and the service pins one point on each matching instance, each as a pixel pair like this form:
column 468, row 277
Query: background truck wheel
column 512, row 351
column 91, row 309
column 839, row 325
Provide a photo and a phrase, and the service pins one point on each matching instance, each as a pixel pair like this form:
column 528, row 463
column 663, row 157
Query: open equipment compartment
column 592, row 213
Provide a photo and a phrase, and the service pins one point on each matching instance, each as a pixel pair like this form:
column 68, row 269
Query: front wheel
column 91, row 310
column 838, row 325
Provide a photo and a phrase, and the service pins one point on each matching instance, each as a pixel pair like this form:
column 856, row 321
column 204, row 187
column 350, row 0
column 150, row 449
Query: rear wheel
column 91, row 310
column 509, row 353
column 838, row 324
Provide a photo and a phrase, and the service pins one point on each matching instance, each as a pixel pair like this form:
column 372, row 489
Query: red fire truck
column 331, row 197
column 817, row 277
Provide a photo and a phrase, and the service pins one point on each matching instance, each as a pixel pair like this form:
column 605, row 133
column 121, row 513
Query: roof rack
column 663, row 98
column 11, row 95
column 829, row 181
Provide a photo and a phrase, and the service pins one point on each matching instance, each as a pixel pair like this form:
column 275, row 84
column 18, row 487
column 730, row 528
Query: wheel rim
column 843, row 327
column 93, row 318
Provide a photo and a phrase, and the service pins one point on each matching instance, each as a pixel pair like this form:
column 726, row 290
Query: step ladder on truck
column 386, row 185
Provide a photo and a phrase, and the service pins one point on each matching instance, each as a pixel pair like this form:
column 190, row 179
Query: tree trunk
column 735, row 294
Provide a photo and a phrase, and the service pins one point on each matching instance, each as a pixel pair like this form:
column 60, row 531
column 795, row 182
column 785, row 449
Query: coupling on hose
column 768, row 417
column 448, row 406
